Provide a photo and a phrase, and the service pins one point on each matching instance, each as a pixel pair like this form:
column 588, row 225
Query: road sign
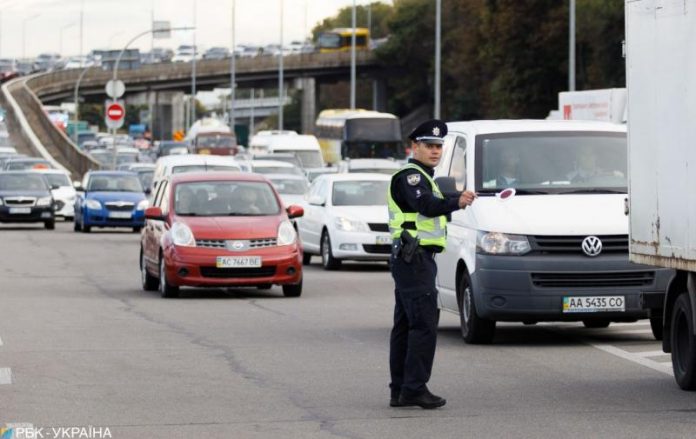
column 115, row 89
column 178, row 135
column 115, row 113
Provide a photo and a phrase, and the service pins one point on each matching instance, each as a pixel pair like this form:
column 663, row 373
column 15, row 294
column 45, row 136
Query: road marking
column 638, row 331
column 5, row 375
column 637, row 358
column 0, row 341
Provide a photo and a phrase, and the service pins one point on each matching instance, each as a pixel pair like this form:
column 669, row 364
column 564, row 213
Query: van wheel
column 596, row 323
column 683, row 343
column 166, row 289
column 656, row 327
column 290, row 290
column 475, row 330
column 327, row 259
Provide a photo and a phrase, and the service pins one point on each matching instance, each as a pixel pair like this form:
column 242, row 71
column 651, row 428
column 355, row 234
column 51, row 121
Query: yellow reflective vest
column 432, row 231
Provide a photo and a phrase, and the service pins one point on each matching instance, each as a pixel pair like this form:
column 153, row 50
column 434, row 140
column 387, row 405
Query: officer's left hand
column 466, row 199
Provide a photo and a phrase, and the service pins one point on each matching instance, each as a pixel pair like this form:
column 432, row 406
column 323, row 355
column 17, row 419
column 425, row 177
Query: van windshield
column 552, row 162
column 310, row 159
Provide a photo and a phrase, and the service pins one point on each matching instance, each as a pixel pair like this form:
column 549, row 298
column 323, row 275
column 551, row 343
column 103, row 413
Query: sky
column 30, row 27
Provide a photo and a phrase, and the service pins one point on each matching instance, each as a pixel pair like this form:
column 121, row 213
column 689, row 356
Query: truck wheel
column 656, row 326
column 683, row 343
column 596, row 323
column 475, row 330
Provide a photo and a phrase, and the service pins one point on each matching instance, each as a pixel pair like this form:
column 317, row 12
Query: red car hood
column 233, row 227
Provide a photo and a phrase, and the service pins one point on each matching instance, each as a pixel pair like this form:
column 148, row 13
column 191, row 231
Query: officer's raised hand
column 466, row 199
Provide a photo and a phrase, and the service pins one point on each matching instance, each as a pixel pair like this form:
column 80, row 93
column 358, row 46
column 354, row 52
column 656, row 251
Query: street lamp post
column 24, row 33
column 76, row 114
column 571, row 48
column 233, row 68
column 280, row 72
column 352, row 60
column 438, row 35
column 193, row 67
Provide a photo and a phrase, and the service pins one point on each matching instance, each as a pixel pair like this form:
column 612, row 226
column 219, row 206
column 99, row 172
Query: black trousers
column 416, row 316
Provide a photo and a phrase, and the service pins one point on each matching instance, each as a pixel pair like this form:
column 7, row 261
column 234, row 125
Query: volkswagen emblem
column 592, row 246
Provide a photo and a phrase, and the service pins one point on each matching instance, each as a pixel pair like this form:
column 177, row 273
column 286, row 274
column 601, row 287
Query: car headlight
column 495, row 243
column 349, row 225
column 182, row 235
column 0, row 201
column 143, row 205
column 45, row 201
column 93, row 204
column 286, row 233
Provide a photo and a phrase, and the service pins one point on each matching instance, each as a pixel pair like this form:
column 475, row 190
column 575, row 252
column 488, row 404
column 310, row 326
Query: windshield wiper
column 187, row 213
column 593, row 191
column 493, row 192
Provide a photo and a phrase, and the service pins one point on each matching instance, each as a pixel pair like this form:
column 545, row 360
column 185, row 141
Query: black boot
column 425, row 400
column 394, row 401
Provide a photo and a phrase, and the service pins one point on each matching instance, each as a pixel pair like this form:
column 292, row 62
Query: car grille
column 247, row 244
column 119, row 207
column 382, row 249
column 20, row 201
column 573, row 244
column 237, row 272
column 379, row 227
column 593, row 280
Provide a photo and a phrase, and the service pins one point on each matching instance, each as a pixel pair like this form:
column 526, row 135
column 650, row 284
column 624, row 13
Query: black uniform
column 413, row 337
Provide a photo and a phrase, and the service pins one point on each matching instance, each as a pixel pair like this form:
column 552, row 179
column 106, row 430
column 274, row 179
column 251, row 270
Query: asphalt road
column 82, row 345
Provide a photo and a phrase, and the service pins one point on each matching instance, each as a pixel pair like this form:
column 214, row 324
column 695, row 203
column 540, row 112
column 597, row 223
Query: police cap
column 432, row 131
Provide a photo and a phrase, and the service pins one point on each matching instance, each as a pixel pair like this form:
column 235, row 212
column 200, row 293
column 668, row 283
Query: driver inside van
column 508, row 168
column 586, row 167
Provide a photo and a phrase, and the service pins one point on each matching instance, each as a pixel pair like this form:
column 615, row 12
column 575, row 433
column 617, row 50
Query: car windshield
column 215, row 141
column 290, row 186
column 225, row 198
column 22, row 182
column 166, row 148
column 277, row 170
column 292, row 159
column 310, row 159
column 146, row 177
column 29, row 164
column 114, row 183
column 58, row 180
column 552, row 162
column 360, row 193
column 198, row 168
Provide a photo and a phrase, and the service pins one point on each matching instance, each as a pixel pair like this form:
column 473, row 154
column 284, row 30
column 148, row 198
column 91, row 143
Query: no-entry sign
column 115, row 113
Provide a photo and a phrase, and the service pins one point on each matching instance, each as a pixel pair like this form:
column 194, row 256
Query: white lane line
column 647, row 354
column 0, row 341
column 636, row 331
column 665, row 368
column 5, row 375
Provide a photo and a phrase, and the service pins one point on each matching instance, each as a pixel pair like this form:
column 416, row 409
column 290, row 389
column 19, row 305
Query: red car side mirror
column 154, row 213
column 295, row 211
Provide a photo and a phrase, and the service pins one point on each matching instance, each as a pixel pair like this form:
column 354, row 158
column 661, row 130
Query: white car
column 7, row 150
column 274, row 167
column 177, row 164
column 381, row 166
column 346, row 218
column 291, row 187
column 63, row 192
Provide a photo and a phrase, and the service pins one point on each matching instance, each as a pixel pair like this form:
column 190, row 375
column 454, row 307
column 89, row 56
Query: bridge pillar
column 167, row 113
column 309, row 103
column 379, row 94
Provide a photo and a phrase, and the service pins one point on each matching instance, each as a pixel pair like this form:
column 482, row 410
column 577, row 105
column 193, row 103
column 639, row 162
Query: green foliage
column 500, row 58
column 380, row 13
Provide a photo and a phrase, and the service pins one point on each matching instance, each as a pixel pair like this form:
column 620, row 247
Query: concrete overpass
column 162, row 83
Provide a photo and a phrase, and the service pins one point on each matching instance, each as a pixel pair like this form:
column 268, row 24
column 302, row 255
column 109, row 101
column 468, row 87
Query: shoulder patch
column 413, row 179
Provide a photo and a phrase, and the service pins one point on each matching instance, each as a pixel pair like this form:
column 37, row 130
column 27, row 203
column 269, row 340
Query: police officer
column 417, row 210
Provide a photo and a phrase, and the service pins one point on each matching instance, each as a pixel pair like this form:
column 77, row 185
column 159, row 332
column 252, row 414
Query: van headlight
column 286, row 233
column 182, row 235
column 143, row 205
column 495, row 243
column 93, row 204
column 349, row 225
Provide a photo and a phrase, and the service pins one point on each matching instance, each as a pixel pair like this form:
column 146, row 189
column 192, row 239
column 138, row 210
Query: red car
column 219, row 229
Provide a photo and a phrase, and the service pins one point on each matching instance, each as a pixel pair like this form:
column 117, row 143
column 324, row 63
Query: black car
column 25, row 197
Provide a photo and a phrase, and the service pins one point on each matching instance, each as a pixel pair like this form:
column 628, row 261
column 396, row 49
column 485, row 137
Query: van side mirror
column 448, row 186
column 295, row 211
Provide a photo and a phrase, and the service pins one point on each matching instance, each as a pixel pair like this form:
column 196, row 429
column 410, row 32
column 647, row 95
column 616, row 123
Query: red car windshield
column 225, row 198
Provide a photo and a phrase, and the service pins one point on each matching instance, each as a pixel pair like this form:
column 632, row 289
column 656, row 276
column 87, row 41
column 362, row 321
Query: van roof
column 527, row 125
column 295, row 142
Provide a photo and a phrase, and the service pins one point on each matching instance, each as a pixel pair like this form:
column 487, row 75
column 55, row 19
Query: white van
column 180, row 163
column 547, row 238
column 305, row 147
column 258, row 144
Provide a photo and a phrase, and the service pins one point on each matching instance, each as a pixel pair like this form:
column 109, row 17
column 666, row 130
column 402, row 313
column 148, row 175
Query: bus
column 212, row 136
column 339, row 39
column 359, row 134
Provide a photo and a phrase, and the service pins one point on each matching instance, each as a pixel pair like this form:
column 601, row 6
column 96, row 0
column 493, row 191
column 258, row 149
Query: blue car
column 110, row 199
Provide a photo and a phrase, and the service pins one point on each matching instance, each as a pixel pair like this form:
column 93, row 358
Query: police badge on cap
column 432, row 131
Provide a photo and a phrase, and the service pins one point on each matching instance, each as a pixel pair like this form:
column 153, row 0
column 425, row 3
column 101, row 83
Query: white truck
column 607, row 105
column 661, row 79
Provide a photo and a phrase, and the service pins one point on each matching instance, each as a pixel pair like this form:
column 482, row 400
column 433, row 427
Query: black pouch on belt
column 409, row 246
